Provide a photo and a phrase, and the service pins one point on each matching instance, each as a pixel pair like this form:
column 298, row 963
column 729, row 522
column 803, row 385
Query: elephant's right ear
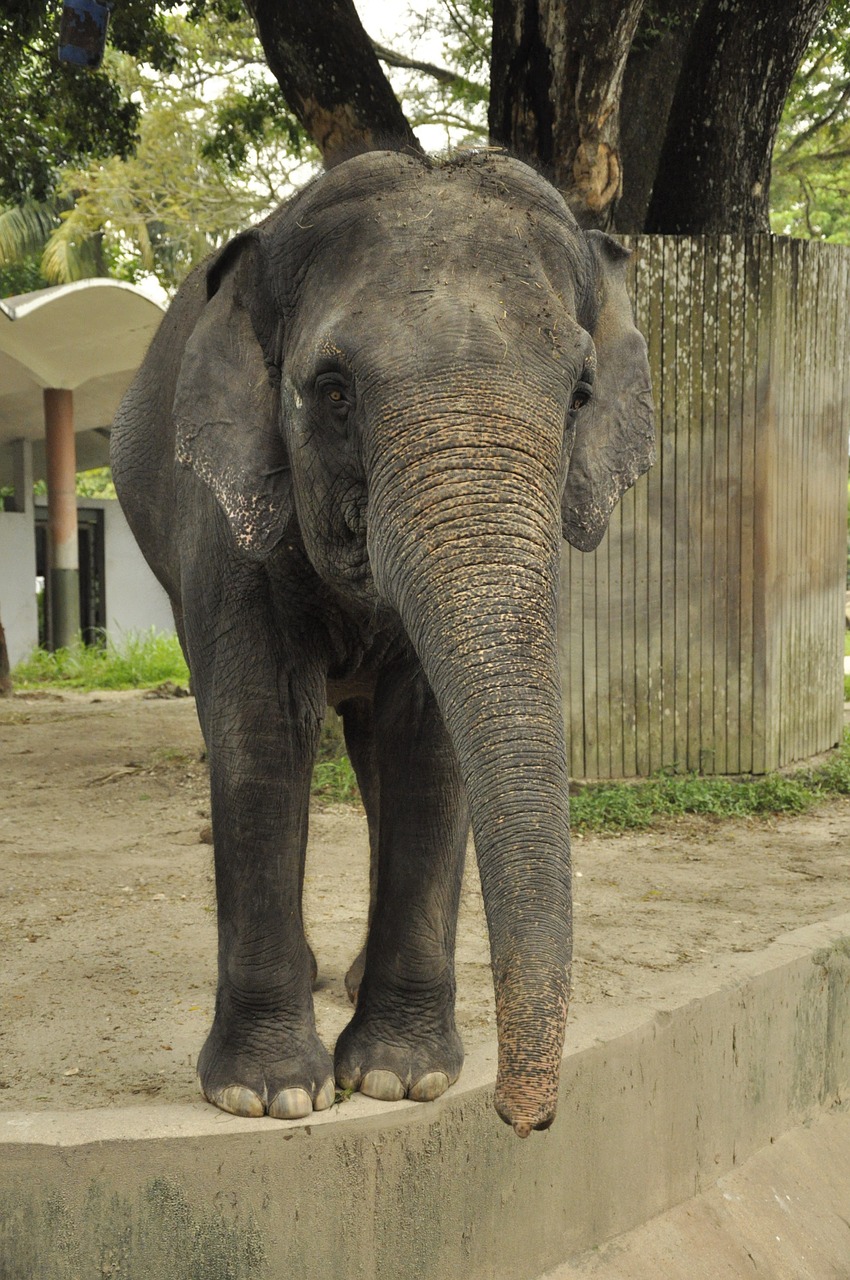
column 615, row 433
column 226, row 402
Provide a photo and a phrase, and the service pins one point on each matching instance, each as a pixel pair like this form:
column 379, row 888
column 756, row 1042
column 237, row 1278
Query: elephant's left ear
column 615, row 431
column 226, row 402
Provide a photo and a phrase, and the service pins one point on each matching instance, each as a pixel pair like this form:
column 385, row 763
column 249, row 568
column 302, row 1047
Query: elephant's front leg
column 262, row 1053
column 402, row 1040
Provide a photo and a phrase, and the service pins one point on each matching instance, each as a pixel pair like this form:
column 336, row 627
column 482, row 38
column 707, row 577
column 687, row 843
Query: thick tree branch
column 330, row 75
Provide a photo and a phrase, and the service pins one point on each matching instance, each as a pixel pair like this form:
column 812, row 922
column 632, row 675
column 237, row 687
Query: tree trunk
column 556, row 78
column 330, row 76
column 714, row 170
column 649, row 86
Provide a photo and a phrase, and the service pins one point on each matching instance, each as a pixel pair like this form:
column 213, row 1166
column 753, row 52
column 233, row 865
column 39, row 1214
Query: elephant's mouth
column 352, row 569
column 355, row 565
column 354, row 515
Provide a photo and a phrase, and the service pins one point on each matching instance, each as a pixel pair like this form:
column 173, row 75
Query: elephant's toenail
column 430, row 1086
column 325, row 1096
column 239, row 1101
column 291, row 1104
column 384, row 1085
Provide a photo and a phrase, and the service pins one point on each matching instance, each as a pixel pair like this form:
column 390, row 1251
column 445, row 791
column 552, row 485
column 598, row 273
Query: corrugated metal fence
column 706, row 633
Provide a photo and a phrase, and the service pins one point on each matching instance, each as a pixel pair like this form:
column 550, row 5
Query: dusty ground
column 107, row 939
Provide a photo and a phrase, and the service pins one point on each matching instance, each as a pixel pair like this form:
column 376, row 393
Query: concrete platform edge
column 655, row 1106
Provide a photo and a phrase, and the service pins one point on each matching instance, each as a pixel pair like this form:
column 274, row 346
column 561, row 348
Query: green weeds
column 334, row 780
column 138, row 660
column 333, row 775
column 636, row 806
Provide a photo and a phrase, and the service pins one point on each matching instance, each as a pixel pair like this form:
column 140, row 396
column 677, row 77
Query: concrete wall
column 18, row 607
column 134, row 599
column 655, row 1106
column 18, row 611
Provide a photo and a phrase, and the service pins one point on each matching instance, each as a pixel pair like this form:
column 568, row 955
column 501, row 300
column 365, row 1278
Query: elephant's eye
column 582, row 392
column 335, row 394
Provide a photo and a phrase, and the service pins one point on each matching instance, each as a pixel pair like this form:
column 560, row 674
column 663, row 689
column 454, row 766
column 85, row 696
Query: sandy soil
column 107, row 925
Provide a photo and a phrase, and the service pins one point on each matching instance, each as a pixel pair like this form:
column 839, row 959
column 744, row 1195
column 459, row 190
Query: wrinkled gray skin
column 349, row 457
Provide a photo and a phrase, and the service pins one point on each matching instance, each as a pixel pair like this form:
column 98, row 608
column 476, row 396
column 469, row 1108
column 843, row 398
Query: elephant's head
column 433, row 371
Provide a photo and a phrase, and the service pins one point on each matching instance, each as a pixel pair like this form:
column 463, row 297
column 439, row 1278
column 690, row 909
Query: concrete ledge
column 653, row 1110
column 783, row 1215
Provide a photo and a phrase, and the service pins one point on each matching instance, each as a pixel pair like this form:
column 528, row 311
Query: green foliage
column 811, row 159
column 635, row 806
column 22, row 276
column 333, row 776
column 245, row 120
column 51, row 114
column 212, row 147
column 334, row 781
column 139, row 660
column 96, row 483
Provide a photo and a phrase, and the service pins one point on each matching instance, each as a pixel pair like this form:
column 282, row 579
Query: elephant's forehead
column 394, row 220
column 403, row 248
column 389, row 176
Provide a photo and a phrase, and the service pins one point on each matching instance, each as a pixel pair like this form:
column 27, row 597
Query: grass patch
column 138, row 660
column 334, row 780
column 636, row 806
column 333, row 774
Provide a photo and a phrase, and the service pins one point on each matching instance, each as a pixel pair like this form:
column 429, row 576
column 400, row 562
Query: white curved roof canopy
column 89, row 337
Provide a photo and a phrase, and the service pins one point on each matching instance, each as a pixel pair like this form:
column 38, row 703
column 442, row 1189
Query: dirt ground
column 107, row 924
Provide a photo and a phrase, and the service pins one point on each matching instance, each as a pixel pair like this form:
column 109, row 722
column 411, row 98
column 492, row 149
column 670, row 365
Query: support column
column 62, row 515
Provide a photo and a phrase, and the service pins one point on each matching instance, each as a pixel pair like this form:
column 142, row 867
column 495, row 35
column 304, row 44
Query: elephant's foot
column 257, row 1067
column 397, row 1058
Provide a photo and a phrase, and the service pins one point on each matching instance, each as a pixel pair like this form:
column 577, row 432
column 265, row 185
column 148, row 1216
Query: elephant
column 350, row 456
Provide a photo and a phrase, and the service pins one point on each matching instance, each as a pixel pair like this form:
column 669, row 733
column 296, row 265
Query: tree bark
column 331, row 79
column 649, row 86
column 714, row 170
column 556, row 78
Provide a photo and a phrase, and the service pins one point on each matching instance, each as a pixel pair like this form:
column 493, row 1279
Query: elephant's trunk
column 464, row 543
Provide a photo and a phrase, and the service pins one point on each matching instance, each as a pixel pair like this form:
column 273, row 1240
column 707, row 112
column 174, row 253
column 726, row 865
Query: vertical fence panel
column 764, row 428
column 736, row 283
column 750, row 374
column 645, row 286
column 722, row 396
column 707, row 630
column 708, row 504
column 681, row 503
column 667, row 474
column 693, row 566
column 622, row 607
